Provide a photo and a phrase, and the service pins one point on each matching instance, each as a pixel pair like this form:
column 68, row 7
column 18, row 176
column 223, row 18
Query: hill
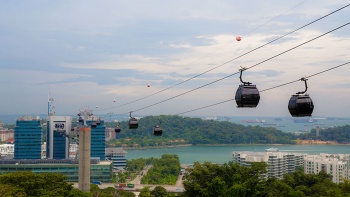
column 197, row 131
column 340, row 134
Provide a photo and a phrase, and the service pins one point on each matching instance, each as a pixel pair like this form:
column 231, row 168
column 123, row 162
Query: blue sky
column 90, row 53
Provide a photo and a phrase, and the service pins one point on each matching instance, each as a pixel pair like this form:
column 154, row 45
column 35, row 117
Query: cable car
column 98, row 122
column 157, row 131
column 133, row 122
column 247, row 95
column 300, row 104
column 117, row 129
column 80, row 119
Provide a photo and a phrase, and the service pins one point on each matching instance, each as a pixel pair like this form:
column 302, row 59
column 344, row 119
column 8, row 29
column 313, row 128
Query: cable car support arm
column 303, row 79
column 240, row 77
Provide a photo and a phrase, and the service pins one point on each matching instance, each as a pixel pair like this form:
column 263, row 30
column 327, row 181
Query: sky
column 101, row 55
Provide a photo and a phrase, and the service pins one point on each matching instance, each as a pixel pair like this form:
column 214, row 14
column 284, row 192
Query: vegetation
column 30, row 184
column 165, row 171
column 24, row 184
column 340, row 134
column 233, row 180
column 95, row 191
column 181, row 130
column 133, row 168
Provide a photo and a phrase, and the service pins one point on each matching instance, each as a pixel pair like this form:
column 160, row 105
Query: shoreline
column 186, row 145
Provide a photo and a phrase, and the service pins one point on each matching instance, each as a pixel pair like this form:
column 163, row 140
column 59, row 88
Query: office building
column 117, row 156
column 57, row 142
column 279, row 163
column 98, row 142
column 99, row 170
column 28, row 137
column 336, row 165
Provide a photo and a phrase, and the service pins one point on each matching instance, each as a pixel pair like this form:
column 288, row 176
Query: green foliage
column 197, row 131
column 165, row 170
column 138, row 164
column 30, row 184
column 209, row 179
column 159, row 191
column 340, row 134
column 145, row 192
column 78, row 193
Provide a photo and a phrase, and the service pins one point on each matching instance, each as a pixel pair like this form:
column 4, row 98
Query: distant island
column 185, row 131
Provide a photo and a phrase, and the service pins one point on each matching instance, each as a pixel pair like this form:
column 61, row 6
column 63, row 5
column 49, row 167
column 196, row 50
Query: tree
column 159, row 191
column 30, row 184
column 209, row 179
column 145, row 192
column 78, row 193
column 95, row 190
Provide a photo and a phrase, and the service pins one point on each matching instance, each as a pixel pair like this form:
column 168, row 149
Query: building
column 279, row 163
column 336, row 165
column 99, row 170
column 98, row 142
column 117, row 156
column 110, row 134
column 5, row 133
column 57, row 142
column 28, row 137
column 6, row 150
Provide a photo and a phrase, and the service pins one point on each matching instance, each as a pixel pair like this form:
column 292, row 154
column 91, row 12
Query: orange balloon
column 238, row 38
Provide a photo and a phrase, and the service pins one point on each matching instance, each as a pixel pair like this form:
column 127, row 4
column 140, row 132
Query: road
column 178, row 187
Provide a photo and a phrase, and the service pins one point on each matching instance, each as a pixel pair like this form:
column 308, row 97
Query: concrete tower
column 84, row 158
column 84, row 151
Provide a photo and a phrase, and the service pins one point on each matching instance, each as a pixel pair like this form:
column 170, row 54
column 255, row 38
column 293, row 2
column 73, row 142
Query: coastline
column 186, row 145
column 155, row 147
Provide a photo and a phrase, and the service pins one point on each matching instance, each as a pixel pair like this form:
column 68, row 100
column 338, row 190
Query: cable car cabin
column 98, row 122
column 133, row 123
column 117, row 129
column 247, row 96
column 300, row 105
column 93, row 124
column 80, row 119
column 157, row 131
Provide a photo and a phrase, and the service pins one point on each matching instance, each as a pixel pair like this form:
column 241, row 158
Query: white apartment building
column 279, row 163
column 336, row 165
column 7, row 149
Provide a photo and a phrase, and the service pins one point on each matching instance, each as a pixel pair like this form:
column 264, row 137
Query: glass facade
column 98, row 141
column 101, row 171
column 57, row 144
column 117, row 156
column 28, row 134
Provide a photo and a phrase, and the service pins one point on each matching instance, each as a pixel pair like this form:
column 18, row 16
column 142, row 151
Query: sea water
column 223, row 154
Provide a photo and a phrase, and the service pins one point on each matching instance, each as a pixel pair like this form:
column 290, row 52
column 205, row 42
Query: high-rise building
column 117, row 156
column 28, row 134
column 57, row 142
column 279, row 163
column 337, row 165
column 98, row 141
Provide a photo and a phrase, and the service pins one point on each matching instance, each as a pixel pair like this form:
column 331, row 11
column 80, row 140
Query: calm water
column 222, row 154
